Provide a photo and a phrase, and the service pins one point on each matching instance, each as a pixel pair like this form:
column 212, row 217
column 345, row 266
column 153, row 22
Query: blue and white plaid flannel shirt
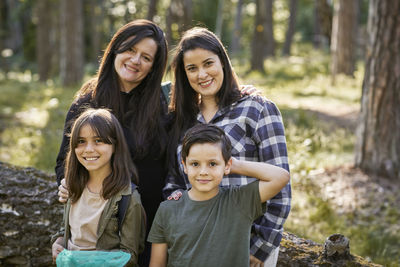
column 255, row 128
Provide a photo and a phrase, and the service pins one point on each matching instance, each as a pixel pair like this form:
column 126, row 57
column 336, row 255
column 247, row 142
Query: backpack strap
column 123, row 206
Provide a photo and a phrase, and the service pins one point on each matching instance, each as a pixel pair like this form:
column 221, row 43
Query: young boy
column 210, row 225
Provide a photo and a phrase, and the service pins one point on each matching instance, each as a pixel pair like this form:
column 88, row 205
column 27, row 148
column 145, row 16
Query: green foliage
column 32, row 115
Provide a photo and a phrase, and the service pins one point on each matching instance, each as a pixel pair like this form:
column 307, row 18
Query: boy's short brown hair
column 206, row 133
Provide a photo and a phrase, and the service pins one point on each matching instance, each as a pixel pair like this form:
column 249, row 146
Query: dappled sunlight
column 23, row 77
column 33, row 117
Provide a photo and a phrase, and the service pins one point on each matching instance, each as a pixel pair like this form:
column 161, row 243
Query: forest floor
column 366, row 201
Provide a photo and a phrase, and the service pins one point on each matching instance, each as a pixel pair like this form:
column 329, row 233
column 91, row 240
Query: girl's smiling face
column 93, row 153
column 204, row 71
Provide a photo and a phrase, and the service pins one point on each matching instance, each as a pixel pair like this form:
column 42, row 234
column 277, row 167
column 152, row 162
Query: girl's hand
column 63, row 192
column 176, row 195
column 57, row 247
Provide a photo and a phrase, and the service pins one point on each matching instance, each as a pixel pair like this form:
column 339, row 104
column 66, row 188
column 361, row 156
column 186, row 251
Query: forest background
column 331, row 66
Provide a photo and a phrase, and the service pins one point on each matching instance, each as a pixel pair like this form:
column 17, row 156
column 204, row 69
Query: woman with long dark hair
column 207, row 91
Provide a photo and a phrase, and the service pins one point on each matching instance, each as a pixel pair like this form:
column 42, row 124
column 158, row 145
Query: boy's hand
column 176, row 195
column 63, row 192
column 254, row 262
column 56, row 248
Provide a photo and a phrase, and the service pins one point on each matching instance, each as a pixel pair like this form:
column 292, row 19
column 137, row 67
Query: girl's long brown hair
column 107, row 127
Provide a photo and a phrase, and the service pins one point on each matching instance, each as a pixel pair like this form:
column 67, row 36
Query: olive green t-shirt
column 215, row 232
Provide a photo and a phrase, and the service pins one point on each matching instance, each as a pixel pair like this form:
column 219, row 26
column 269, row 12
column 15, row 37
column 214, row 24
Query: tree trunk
column 15, row 38
column 94, row 32
column 343, row 46
column 235, row 43
column 322, row 23
column 152, row 9
column 188, row 14
column 3, row 34
column 71, row 42
column 378, row 135
column 168, row 23
column 43, row 39
column 269, row 30
column 290, row 30
column 218, row 24
column 259, row 42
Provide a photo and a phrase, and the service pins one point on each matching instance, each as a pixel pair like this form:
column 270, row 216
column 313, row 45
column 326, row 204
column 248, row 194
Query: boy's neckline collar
column 202, row 201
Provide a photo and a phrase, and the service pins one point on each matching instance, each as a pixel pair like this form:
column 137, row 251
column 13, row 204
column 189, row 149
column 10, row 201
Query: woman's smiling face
column 133, row 65
column 204, row 71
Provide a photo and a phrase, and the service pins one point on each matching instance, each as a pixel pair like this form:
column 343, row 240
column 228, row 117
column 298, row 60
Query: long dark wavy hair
column 123, row 171
column 143, row 114
column 184, row 99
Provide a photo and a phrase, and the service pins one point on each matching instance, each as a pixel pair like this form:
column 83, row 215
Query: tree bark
column 344, row 32
column 235, row 42
column 260, row 42
column 188, row 14
column 218, row 24
column 94, row 30
column 378, row 135
column 71, row 42
column 43, row 39
column 322, row 23
column 152, row 9
column 269, row 30
column 3, row 34
column 15, row 37
column 291, row 27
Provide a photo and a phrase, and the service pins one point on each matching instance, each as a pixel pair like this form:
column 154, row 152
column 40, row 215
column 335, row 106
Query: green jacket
column 133, row 230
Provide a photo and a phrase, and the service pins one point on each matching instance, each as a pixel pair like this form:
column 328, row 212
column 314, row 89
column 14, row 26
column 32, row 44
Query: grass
column 32, row 116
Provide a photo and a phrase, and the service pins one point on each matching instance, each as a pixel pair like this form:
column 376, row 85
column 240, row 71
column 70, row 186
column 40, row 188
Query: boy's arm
column 272, row 178
column 158, row 255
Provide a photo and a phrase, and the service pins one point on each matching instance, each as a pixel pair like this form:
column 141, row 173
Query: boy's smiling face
column 205, row 167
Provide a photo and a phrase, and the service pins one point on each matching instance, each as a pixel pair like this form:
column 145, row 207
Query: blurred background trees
column 60, row 39
column 330, row 65
column 63, row 40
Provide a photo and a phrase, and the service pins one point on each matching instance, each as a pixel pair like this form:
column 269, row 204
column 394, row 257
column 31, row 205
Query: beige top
column 83, row 220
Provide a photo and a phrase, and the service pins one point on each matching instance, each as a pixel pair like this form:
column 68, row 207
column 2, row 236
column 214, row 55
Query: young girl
column 98, row 173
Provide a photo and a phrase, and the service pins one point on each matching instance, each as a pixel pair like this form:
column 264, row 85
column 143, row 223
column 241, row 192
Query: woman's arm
column 159, row 255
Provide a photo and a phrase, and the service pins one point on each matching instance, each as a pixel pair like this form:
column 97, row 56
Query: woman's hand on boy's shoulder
column 249, row 89
column 176, row 195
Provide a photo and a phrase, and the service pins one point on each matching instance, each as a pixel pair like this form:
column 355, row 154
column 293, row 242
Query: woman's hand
column 176, row 195
column 57, row 247
column 254, row 262
column 63, row 192
column 249, row 89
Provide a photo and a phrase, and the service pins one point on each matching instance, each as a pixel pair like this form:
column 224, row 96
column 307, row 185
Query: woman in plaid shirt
column 207, row 91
